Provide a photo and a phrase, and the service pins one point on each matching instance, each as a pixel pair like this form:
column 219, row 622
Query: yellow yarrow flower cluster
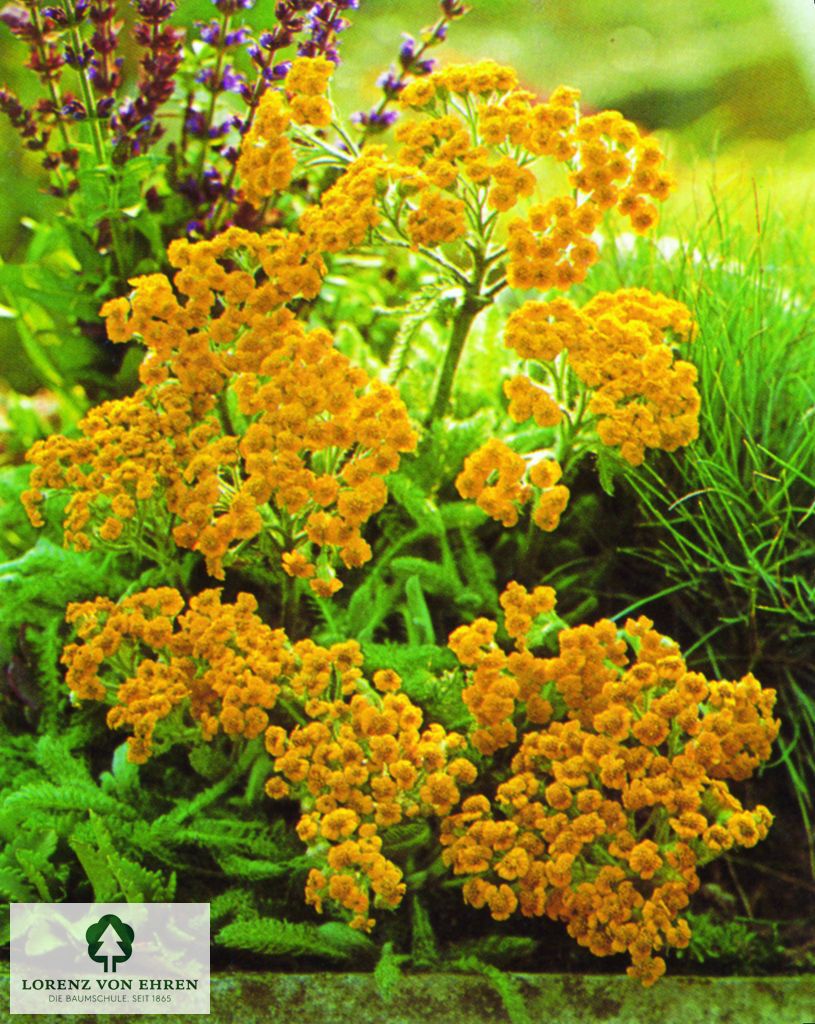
column 317, row 435
column 620, row 346
column 501, row 482
column 218, row 664
column 306, row 83
column 356, row 755
column 127, row 460
column 611, row 730
column 499, row 682
column 352, row 207
column 266, row 160
column 437, row 219
column 480, row 136
column 364, row 765
column 476, row 79
column 349, row 209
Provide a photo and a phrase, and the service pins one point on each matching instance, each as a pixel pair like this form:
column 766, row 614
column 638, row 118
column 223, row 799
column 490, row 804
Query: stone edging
column 262, row 998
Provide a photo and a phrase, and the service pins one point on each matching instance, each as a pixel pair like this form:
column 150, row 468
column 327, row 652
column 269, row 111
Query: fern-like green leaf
column 238, row 902
column 53, row 754
column 135, row 883
column 412, row 317
column 250, row 869
column 424, row 949
column 370, row 605
column 410, row 835
column 274, row 937
column 412, row 497
column 418, row 623
column 432, row 577
column 95, row 865
column 14, row 887
column 55, row 799
column 499, row 950
column 122, row 780
column 388, row 973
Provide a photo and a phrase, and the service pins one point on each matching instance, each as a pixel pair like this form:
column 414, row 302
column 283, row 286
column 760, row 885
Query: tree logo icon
column 110, row 942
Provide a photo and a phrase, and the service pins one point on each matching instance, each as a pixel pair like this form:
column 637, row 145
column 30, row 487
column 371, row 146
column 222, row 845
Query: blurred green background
column 729, row 85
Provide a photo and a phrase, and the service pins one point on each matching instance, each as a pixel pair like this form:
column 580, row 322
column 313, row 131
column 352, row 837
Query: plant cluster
column 277, row 444
column 616, row 791
column 138, row 120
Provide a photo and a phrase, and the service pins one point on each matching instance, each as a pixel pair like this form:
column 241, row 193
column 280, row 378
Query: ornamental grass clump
column 583, row 775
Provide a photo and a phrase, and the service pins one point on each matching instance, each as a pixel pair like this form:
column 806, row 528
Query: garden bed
column 410, row 556
column 248, row 998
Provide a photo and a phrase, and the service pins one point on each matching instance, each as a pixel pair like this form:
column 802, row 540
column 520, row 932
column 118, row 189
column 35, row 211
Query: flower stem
column 51, row 85
column 213, row 99
column 87, row 93
column 472, row 305
column 98, row 144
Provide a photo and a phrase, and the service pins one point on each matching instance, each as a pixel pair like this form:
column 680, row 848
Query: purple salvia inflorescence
column 37, row 30
column 391, row 83
column 325, row 22
column 85, row 36
column 217, row 77
column 105, row 68
column 135, row 124
column 412, row 63
column 79, row 59
column 210, row 32
column 36, row 125
column 29, row 126
column 375, row 120
column 291, row 20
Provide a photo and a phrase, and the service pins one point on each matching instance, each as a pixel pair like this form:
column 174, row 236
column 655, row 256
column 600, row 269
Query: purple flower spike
column 279, row 71
column 390, row 83
column 375, row 120
column 407, row 51
column 413, row 63
column 453, row 9
column 154, row 12
column 210, row 32
column 231, row 80
column 236, row 38
column 195, row 123
column 135, row 125
column 78, row 60
column 74, row 109
column 56, row 14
